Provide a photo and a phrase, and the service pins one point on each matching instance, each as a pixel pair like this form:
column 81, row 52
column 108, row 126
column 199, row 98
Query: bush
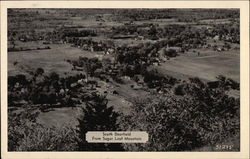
column 170, row 53
column 179, row 90
column 39, row 71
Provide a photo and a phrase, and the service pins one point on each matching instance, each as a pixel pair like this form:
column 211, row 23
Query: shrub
column 170, row 53
column 179, row 90
column 39, row 71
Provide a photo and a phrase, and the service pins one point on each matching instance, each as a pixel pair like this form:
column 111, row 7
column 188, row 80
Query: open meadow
column 207, row 66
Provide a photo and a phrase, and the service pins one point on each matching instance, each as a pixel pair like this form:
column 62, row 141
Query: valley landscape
column 174, row 73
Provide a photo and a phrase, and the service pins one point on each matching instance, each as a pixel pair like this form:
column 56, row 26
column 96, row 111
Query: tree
column 97, row 116
column 12, row 40
column 39, row 71
column 170, row 52
column 53, row 76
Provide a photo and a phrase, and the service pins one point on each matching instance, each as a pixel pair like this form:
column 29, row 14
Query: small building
column 216, row 37
column 110, row 51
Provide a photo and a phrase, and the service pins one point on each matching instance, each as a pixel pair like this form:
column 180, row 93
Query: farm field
column 51, row 60
column 71, row 71
column 209, row 66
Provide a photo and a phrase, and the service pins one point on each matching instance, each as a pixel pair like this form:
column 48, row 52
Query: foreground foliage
column 193, row 116
column 97, row 117
column 25, row 134
column 179, row 123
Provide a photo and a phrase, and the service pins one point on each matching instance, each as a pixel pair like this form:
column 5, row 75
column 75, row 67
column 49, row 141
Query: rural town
column 174, row 73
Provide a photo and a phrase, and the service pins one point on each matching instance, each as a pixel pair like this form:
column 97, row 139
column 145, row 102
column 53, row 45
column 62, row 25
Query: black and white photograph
column 170, row 73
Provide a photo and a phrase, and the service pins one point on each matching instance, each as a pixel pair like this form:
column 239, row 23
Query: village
column 106, row 71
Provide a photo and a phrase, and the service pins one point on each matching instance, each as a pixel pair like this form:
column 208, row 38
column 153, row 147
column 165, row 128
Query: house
column 100, row 57
column 126, row 78
column 92, row 48
column 139, row 38
column 73, row 85
column 81, row 81
column 139, row 79
column 78, row 68
column 156, row 63
column 216, row 37
column 22, row 39
column 110, row 51
column 136, row 87
column 85, row 47
column 219, row 49
column 95, row 47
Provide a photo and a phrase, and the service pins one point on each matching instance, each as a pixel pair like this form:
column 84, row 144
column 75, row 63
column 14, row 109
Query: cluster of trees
column 177, row 35
column 187, row 15
column 89, row 44
column 89, row 65
column 202, row 117
column 126, row 57
column 154, row 79
column 49, row 90
column 124, row 29
column 106, row 70
column 71, row 32
column 184, row 36
column 26, row 134
column 143, row 53
column 128, row 61
column 148, row 53
column 143, row 14
column 194, row 15
column 61, row 33
column 228, row 33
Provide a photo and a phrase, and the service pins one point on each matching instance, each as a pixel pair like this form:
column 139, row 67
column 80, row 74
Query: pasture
column 207, row 66
column 50, row 60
